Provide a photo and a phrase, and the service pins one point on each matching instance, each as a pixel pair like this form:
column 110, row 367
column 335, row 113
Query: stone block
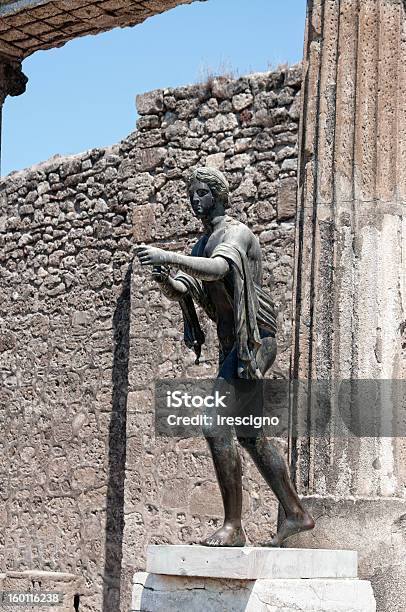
column 195, row 578
column 216, row 161
column 377, row 528
column 222, row 123
column 289, row 165
column 206, row 500
column 148, row 159
column 153, row 593
column 241, row 101
column 221, row 87
column 150, row 103
column 287, row 198
column 144, row 222
column 251, row 563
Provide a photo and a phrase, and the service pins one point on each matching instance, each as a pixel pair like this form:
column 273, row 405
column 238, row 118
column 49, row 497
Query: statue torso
column 221, row 293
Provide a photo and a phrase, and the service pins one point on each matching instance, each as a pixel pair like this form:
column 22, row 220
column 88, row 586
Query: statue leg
column 273, row 468
column 227, row 464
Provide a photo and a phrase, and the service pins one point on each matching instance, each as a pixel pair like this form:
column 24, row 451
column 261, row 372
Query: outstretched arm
column 203, row 268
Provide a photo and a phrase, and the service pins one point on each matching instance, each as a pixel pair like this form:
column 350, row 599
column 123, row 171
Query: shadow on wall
column 117, row 451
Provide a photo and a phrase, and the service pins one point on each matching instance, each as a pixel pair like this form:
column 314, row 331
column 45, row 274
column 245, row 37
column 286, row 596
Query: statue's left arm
column 203, row 268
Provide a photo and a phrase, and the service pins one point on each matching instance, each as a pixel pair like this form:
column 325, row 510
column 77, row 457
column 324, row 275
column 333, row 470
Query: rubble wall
column 84, row 332
column 248, row 129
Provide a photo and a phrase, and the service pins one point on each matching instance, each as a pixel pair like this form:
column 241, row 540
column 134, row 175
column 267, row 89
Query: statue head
column 208, row 191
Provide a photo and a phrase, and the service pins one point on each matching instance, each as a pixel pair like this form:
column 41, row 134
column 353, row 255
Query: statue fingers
column 160, row 271
column 140, row 247
column 142, row 251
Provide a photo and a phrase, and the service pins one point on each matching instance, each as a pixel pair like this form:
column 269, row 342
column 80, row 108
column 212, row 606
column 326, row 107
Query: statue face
column 201, row 199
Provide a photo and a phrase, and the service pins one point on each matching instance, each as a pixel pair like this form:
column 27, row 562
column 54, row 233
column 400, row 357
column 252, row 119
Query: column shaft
column 350, row 312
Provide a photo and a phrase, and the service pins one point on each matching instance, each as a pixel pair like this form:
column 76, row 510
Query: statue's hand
column 151, row 256
column 160, row 274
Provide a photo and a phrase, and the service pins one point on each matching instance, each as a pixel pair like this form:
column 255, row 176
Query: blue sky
column 83, row 95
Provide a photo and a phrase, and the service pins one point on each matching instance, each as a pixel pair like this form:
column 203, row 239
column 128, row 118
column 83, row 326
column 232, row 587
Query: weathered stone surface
column 241, row 101
column 67, row 588
column 148, row 159
column 287, row 198
column 176, row 130
column 152, row 593
column 150, row 103
column 289, row 165
column 222, row 123
column 144, row 220
column 251, row 563
column 216, row 161
column 351, row 303
column 221, row 87
column 73, row 344
column 30, row 25
column 355, row 518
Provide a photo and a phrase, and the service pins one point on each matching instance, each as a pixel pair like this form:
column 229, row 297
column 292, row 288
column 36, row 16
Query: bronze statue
column 224, row 276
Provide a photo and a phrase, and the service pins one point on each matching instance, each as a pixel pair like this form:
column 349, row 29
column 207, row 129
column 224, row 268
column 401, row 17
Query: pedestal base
column 377, row 528
column 194, row 579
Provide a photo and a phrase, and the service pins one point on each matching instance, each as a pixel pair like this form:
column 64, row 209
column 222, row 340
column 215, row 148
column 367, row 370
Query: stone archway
column 27, row 26
column 32, row 25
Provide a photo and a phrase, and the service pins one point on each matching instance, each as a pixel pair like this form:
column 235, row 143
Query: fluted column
column 350, row 290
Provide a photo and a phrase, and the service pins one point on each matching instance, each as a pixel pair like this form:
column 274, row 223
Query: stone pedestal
column 350, row 292
column 196, row 578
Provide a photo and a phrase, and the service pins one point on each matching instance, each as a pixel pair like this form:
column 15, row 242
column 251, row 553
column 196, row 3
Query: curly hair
column 215, row 180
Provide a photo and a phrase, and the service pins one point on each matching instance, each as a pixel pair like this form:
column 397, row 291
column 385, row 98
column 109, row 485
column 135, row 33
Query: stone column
column 350, row 293
column 12, row 83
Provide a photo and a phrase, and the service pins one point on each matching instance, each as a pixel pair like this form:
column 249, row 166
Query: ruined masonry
column 77, row 338
column 73, row 323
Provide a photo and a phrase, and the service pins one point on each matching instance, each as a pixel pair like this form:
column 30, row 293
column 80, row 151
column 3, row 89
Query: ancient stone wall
column 248, row 129
column 65, row 249
column 85, row 486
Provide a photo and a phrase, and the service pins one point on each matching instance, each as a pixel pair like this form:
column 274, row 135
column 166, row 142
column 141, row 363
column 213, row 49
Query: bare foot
column 291, row 526
column 228, row 535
